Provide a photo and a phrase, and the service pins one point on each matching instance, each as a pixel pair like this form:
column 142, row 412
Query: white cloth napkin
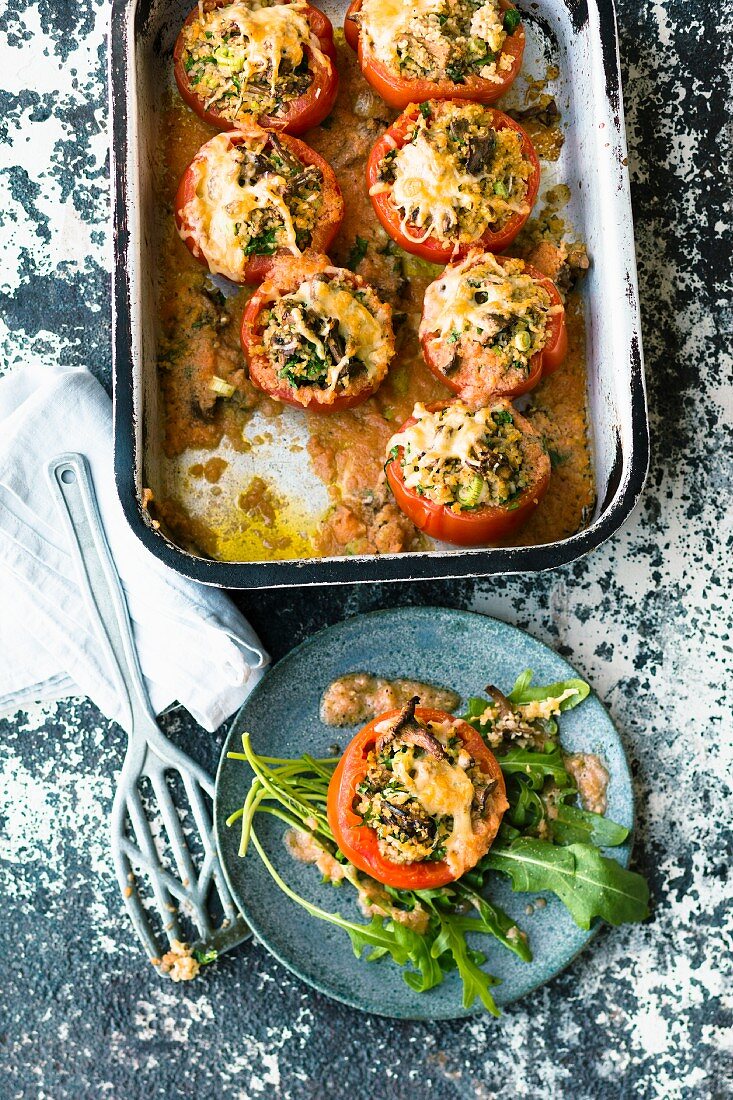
column 193, row 644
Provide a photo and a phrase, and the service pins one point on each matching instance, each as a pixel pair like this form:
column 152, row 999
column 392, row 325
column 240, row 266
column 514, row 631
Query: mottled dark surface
column 646, row 618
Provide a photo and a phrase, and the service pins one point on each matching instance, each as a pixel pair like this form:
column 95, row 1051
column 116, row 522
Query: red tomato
column 482, row 526
column 298, row 115
column 542, row 363
column 286, row 276
column 433, row 249
column 257, row 267
column 398, row 91
column 359, row 843
column 556, row 348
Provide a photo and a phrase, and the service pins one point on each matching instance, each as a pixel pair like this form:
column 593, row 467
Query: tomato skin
column 556, row 347
column 544, row 362
column 357, row 841
column 258, row 267
column 300, row 114
column 398, row 92
column 433, row 249
column 533, row 378
column 351, row 31
column 259, row 366
column 529, row 383
column 483, row 526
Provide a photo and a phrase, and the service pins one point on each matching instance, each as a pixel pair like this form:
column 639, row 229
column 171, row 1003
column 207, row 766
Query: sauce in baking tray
column 228, row 486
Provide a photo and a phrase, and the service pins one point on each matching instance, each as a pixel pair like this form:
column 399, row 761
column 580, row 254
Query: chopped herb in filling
column 440, row 40
column 299, row 186
column 461, row 458
column 326, row 335
column 456, row 176
column 421, row 788
column 248, row 57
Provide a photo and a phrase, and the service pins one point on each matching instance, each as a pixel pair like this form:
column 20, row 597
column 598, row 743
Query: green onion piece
column 469, row 495
column 522, row 340
column 220, row 387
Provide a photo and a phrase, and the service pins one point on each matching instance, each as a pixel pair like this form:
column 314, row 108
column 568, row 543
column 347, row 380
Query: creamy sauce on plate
column 358, row 697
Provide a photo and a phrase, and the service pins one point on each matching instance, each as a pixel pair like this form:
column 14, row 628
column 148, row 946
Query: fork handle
column 71, row 485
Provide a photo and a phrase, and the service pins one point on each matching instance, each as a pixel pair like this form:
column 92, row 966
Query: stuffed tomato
column 416, row 799
column 317, row 336
column 251, row 193
column 273, row 62
column 449, row 176
column 436, row 49
column 467, row 476
column 492, row 326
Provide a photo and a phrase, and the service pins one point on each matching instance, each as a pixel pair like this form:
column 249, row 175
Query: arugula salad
column 543, row 838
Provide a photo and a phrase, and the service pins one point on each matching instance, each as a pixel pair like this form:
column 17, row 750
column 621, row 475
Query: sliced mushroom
column 413, row 822
column 481, row 154
column 407, row 714
column 503, row 705
column 452, row 364
column 482, row 794
column 410, row 731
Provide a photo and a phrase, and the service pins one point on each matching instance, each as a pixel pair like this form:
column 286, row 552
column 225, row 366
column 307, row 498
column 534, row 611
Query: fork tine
column 133, row 904
column 154, row 870
column 203, row 822
column 181, row 853
column 146, row 844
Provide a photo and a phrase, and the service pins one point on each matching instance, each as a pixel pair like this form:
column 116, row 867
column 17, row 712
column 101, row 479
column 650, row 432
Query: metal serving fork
column 154, row 770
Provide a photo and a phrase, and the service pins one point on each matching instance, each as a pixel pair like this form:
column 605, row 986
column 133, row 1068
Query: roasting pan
column 578, row 35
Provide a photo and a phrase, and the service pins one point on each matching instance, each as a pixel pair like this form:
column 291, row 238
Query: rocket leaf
column 588, row 883
column 571, row 825
column 523, row 693
column 536, row 766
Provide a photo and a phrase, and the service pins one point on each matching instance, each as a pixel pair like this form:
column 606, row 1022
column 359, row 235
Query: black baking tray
column 581, row 37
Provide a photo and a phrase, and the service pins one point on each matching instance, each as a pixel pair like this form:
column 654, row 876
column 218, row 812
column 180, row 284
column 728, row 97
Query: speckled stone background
column 647, row 618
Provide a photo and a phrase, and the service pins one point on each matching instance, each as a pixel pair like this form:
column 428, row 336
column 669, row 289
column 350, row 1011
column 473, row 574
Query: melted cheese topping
column 451, row 433
column 442, row 788
column 221, row 203
column 427, row 186
column 435, row 192
column 395, row 31
column 362, row 333
column 451, row 305
column 269, row 36
column 384, row 21
column 445, row 455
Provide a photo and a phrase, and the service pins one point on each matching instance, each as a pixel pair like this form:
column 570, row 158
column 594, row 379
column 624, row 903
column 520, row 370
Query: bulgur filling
column 249, row 57
column 422, row 792
column 328, row 335
column 500, row 307
column 253, row 198
column 525, row 725
column 461, row 458
column 456, row 176
column 439, row 40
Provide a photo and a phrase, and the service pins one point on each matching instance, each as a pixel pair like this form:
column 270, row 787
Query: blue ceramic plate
column 455, row 649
